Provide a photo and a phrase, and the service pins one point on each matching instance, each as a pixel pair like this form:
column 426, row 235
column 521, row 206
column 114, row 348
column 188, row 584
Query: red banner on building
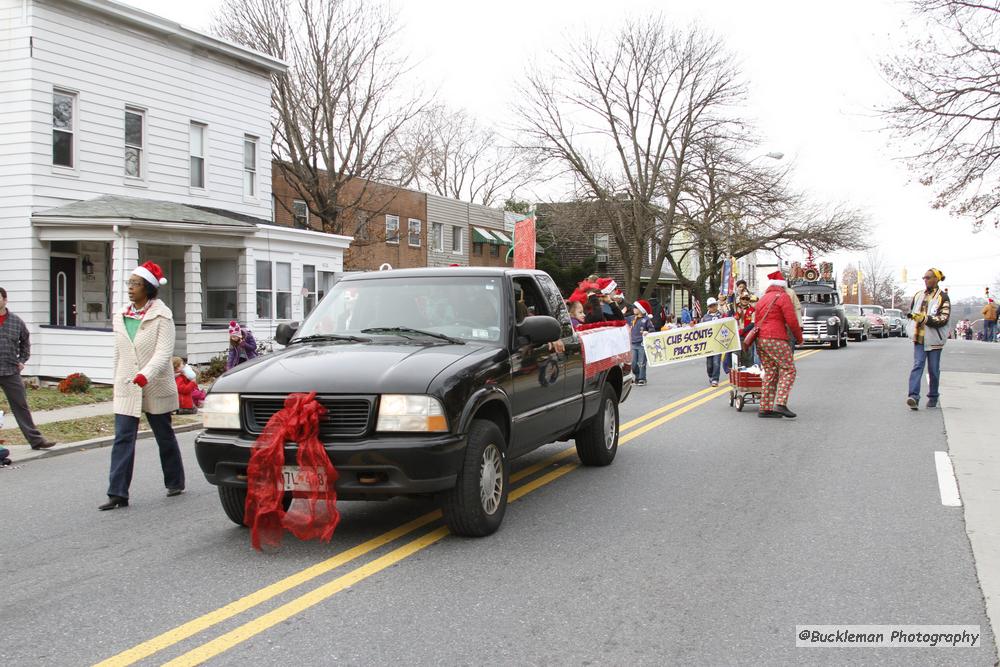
column 524, row 244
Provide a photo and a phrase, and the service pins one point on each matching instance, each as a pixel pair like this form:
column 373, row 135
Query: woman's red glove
column 140, row 380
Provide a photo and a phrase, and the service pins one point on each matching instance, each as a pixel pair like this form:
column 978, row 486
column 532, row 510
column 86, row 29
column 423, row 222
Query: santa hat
column 606, row 285
column 777, row 278
column 234, row 328
column 643, row 306
column 151, row 273
column 619, row 295
column 579, row 295
column 587, row 287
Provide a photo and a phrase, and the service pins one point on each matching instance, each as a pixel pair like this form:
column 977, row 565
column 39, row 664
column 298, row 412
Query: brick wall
column 366, row 207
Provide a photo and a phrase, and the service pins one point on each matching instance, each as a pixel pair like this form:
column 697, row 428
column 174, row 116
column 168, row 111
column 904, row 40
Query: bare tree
column 731, row 208
column 338, row 110
column 878, row 283
column 450, row 153
column 619, row 117
column 949, row 85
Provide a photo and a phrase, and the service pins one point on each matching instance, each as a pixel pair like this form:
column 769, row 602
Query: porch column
column 192, row 289
column 124, row 258
column 247, row 289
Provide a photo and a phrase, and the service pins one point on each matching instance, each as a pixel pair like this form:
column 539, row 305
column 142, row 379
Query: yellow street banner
column 669, row 347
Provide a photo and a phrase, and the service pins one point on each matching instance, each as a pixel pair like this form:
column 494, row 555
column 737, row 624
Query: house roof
column 110, row 207
column 162, row 26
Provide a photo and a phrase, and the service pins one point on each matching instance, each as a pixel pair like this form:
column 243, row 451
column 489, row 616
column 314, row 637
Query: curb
column 93, row 443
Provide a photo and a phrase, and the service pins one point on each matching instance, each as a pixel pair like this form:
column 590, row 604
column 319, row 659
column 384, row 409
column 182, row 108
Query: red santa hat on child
column 578, row 295
column 151, row 273
column 777, row 278
column 644, row 306
column 234, row 328
column 606, row 285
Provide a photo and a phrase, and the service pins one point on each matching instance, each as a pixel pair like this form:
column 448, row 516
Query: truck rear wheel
column 476, row 505
column 597, row 441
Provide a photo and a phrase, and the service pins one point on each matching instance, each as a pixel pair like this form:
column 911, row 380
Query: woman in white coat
column 144, row 383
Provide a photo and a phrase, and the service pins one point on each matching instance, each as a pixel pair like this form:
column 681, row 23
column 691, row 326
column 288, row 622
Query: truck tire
column 234, row 502
column 476, row 505
column 597, row 441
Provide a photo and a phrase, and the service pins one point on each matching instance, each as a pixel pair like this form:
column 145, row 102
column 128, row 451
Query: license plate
column 296, row 479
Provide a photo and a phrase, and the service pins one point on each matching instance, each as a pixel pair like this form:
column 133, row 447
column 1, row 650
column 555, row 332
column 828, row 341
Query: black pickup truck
column 434, row 379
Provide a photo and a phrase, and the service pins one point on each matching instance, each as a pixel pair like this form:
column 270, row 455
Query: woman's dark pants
column 123, row 453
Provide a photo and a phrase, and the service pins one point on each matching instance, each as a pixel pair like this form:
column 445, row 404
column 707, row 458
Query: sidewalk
column 967, row 404
column 22, row 453
column 74, row 412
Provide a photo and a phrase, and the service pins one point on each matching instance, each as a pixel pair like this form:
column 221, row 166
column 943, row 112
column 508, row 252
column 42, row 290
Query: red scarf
column 137, row 314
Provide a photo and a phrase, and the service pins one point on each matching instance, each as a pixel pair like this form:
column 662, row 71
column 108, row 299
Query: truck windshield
column 467, row 308
column 816, row 297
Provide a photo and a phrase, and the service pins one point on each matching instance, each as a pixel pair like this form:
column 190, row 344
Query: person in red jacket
column 776, row 318
column 185, row 388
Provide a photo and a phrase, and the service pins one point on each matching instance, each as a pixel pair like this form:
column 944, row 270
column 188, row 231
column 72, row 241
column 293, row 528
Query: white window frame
column 410, row 223
column 602, row 241
column 295, row 215
column 138, row 111
column 437, row 236
column 456, row 233
column 268, row 290
column 203, row 157
column 72, row 168
column 254, row 186
column 395, row 220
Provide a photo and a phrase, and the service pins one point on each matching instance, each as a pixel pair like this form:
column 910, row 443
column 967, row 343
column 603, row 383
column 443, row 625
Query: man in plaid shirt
column 930, row 310
column 15, row 348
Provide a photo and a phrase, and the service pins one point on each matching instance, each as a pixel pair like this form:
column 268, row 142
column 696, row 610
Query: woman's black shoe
column 174, row 492
column 114, row 502
column 781, row 409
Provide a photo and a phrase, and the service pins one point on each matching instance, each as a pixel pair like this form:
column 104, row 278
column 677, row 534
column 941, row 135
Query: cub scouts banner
column 711, row 338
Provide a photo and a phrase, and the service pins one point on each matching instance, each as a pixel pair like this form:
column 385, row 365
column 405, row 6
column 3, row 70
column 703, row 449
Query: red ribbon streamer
column 313, row 514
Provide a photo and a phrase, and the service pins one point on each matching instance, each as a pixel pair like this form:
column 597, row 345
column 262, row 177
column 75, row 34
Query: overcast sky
column 814, row 83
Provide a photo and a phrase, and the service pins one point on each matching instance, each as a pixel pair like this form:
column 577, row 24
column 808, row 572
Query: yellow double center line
column 228, row 640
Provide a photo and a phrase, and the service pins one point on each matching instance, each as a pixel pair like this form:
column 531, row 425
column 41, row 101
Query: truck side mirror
column 540, row 329
column 284, row 332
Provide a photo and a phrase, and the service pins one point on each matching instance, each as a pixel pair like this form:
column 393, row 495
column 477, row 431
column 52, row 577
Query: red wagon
column 744, row 388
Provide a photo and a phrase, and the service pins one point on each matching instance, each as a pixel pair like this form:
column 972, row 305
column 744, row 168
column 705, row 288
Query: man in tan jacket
column 990, row 321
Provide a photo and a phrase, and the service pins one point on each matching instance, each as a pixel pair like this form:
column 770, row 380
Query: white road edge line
column 946, row 480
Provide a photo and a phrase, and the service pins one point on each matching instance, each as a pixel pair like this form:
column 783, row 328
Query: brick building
column 389, row 224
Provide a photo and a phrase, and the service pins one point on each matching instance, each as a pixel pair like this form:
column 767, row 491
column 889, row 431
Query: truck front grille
column 813, row 328
column 346, row 417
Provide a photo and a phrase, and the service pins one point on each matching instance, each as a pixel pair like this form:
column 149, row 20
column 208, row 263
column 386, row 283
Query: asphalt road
column 707, row 541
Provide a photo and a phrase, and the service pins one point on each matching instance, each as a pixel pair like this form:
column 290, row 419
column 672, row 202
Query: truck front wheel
column 234, row 502
column 597, row 441
column 476, row 505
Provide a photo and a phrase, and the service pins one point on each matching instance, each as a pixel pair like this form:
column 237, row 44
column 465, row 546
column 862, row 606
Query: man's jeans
column 639, row 361
column 123, row 453
column 990, row 329
column 930, row 358
column 713, row 363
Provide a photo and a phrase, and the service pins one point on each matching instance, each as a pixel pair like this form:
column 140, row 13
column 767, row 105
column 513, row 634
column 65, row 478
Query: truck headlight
column 833, row 321
column 221, row 411
column 405, row 413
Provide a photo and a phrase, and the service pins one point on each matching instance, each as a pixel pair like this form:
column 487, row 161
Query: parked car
column 859, row 326
column 434, row 379
column 897, row 325
column 823, row 318
column 876, row 314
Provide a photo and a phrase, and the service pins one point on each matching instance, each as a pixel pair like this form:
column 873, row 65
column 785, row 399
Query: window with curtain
column 282, row 291
column 308, row 289
column 221, row 280
column 265, row 298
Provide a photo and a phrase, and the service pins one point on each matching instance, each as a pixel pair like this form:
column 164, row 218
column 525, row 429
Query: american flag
column 697, row 310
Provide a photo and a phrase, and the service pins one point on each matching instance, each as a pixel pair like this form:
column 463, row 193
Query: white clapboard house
column 125, row 137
